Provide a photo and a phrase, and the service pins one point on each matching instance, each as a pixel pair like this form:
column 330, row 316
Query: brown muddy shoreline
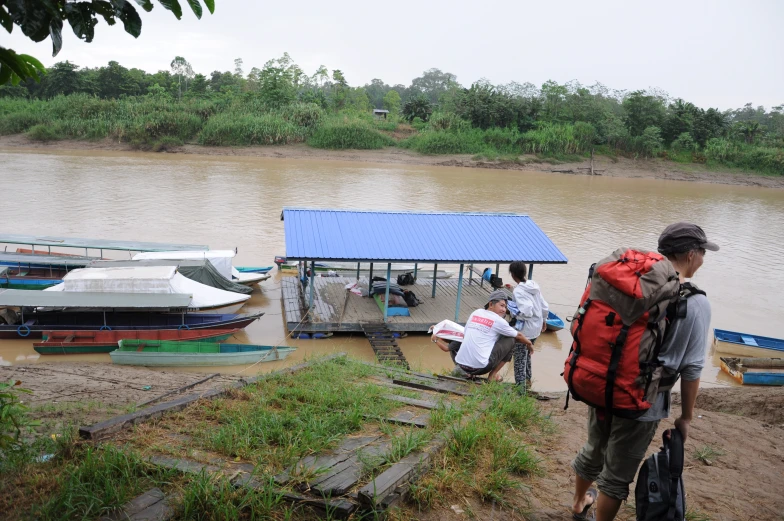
column 604, row 166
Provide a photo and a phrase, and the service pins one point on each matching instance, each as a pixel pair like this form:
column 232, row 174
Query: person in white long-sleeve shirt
column 531, row 321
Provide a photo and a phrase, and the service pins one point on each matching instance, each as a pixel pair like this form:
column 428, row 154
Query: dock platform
column 338, row 310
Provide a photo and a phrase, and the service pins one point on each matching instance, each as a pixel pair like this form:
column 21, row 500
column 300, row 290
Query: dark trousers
column 502, row 352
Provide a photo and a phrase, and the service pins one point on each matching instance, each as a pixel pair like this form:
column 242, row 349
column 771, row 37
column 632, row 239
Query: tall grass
column 265, row 129
column 348, row 133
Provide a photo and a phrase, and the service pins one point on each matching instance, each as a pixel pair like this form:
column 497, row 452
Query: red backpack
column 618, row 332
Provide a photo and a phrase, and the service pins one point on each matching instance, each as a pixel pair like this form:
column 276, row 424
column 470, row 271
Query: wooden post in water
column 386, row 295
column 592, row 161
column 435, row 271
column 459, row 291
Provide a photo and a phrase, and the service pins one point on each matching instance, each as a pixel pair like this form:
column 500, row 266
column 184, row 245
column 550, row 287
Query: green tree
column 642, row 111
column 40, row 20
column 276, row 83
column 114, row 81
column 433, row 83
column 198, row 85
column 376, row 90
column 391, row 102
column 183, row 71
column 650, row 143
column 419, row 107
column 62, row 78
column 554, row 96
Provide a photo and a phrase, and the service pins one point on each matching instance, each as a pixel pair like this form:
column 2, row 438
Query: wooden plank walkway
column 337, row 310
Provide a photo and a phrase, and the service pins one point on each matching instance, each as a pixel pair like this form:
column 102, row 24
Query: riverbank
column 603, row 166
column 727, row 478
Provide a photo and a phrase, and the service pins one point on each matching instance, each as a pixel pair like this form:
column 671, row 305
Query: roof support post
column 370, row 281
column 435, row 271
column 312, row 284
column 416, row 265
column 530, row 271
column 386, row 295
column 497, row 268
column 459, row 291
column 470, row 274
column 357, row 272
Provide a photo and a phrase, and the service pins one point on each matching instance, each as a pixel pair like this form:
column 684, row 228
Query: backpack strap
column 674, row 446
column 575, row 351
column 612, row 371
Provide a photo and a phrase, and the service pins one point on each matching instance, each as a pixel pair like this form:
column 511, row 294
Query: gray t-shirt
column 684, row 352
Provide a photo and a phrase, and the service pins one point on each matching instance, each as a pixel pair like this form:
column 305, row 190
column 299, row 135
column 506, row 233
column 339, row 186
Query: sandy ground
column 745, row 424
column 622, row 167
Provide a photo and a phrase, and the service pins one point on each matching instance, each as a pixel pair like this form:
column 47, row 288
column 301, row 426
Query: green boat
column 89, row 342
column 164, row 353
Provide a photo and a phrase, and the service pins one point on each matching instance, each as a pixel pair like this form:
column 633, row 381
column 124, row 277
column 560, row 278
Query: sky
column 717, row 53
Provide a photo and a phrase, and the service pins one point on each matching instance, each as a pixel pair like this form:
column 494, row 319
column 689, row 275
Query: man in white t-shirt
column 489, row 340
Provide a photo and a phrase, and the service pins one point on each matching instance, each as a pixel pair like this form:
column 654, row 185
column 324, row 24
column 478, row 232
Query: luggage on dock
column 405, row 279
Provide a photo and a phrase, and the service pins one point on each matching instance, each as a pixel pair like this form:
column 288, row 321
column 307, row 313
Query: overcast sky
column 715, row 53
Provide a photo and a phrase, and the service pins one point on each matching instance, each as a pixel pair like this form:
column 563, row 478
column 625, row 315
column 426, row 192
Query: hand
column 530, row 349
column 682, row 424
column 434, row 339
column 544, row 326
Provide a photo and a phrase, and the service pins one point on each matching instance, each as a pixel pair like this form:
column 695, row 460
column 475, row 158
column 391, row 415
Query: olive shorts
column 502, row 352
column 611, row 457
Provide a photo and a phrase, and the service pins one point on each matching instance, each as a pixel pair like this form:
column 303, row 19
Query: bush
column 341, row 135
column 166, row 143
column 448, row 121
column 559, row 139
column 307, row 115
column 684, row 143
column 43, row 133
column 228, row 129
column 18, row 122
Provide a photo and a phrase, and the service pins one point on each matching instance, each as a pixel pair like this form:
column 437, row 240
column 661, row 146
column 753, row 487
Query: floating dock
column 335, row 309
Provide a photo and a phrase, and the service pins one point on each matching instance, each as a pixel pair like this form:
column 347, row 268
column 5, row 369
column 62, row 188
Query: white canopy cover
column 149, row 279
column 221, row 259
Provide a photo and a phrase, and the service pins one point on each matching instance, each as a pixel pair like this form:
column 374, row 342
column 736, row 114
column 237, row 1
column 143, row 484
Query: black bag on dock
column 410, row 298
column 405, row 279
column 659, row 493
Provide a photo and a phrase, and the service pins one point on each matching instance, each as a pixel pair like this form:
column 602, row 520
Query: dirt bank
column 741, row 481
column 621, row 167
column 743, row 426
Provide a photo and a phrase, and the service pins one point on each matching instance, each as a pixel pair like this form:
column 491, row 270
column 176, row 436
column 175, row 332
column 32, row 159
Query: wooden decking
column 338, row 310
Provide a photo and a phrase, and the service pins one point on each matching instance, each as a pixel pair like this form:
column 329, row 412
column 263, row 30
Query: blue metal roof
column 394, row 236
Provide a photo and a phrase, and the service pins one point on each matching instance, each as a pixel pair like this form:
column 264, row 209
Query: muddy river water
column 229, row 202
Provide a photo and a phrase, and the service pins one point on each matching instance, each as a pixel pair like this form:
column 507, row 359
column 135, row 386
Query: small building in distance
column 380, row 113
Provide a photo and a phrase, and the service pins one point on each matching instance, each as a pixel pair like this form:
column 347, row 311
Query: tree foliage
column 419, row 107
column 39, row 20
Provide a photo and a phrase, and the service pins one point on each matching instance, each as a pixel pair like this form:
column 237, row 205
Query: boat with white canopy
column 221, row 259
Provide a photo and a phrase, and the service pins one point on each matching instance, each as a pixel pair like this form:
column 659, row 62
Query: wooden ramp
column 384, row 344
column 335, row 309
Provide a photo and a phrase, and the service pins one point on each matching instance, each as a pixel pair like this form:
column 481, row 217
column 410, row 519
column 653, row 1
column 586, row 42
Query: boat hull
column 554, row 322
column 253, row 269
column 754, row 371
column 198, row 359
column 747, row 345
column 89, row 342
column 63, row 321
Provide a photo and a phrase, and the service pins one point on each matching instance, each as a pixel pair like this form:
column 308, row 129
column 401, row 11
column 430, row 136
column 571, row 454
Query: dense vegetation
column 280, row 104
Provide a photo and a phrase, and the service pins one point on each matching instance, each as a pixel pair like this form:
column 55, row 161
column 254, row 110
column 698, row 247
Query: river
column 232, row 201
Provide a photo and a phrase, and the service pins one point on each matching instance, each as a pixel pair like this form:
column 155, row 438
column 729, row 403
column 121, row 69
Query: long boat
column 221, row 259
column 253, row 269
column 746, row 344
column 754, row 371
column 161, row 353
column 34, row 324
column 554, row 322
column 30, row 278
column 50, row 241
column 85, row 342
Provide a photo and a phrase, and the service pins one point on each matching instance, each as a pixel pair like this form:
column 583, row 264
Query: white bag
column 448, row 330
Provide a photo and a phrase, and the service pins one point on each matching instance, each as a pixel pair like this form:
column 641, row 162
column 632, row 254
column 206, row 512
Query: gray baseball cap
column 496, row 295
column 682, row 237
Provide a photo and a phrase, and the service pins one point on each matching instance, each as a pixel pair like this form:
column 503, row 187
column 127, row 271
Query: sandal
column 583, row 516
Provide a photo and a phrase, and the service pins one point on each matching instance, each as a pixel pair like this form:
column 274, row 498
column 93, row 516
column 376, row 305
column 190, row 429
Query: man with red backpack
column 640, row 327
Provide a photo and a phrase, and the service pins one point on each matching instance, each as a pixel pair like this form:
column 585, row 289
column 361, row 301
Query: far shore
column 603, row 166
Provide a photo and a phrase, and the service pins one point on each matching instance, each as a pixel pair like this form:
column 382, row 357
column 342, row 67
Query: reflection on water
column 229, row 202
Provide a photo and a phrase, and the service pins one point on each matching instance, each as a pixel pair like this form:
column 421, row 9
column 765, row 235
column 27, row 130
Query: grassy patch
column 348, row 133
column 707, row 454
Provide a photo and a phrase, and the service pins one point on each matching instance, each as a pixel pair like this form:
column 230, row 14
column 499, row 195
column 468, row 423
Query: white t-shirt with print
column 482, row 331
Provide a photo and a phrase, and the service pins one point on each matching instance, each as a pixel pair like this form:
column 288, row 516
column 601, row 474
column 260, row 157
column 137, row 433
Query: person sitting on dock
column 489, row 340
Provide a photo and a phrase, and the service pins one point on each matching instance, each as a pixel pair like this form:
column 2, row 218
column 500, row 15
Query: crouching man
column 489, row 340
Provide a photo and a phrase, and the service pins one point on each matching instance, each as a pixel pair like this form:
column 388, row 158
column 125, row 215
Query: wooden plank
column 349, row 472
column 429, row 387
column 337, row 508
column 105, row 428
column 183, row 465
column 160, row 511
column 406, row 418
column 424, row 404
column 134, row 506
column 316, row 462
column 408, row 468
